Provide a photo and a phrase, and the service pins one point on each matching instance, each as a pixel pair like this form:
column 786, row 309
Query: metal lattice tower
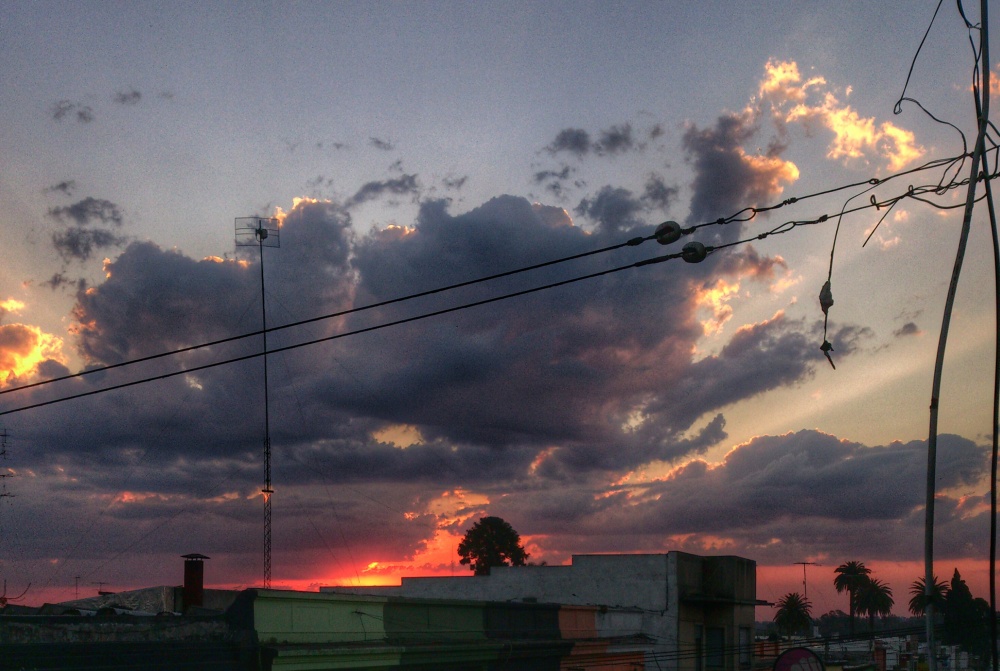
column 262, row 232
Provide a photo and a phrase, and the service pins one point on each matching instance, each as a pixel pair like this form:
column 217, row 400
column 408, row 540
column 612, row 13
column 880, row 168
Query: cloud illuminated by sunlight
column 541, row 458
column 782, row 79
column 280, row 214
column 456, row 507
column 716, row 299
column 399, row 435
column 127, row 497
column 11, row 305
column 855, row 137
column 438, row 554
column 23, row 348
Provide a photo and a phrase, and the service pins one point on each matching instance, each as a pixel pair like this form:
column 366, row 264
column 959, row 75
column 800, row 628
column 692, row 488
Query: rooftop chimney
column 194, row 579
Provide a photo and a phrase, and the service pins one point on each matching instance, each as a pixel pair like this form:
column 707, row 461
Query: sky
column 406, row 147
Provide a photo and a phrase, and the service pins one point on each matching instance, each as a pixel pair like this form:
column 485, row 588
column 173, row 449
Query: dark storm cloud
column 749, row 263
column 657, row 194
column 74, row 110
column 775, row 496
column 60, row 280
column 573, row 140
column 455, row 183
column 616, row 207
column 128, row 98
column 612, row 141
column 380, row 144
column 66, row 187
column 88, row 211
column 554, row 181
column 726, row 178
column 82, row 239
column 543, row 176
column 81, row 243
column 400, row 186
column 907, row 329
column 155, row 300
column 567, row 367
column 615, row 140
column 599, row 340
column 613, row 208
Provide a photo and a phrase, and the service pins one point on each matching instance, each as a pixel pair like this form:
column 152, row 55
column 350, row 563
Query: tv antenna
column 261, row 232
column 6, row 471
column 804, row 564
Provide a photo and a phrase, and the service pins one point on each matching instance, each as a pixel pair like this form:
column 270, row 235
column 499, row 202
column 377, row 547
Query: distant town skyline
column 408, row 147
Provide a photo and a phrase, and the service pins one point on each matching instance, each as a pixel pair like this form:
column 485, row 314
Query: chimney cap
column 194, row 556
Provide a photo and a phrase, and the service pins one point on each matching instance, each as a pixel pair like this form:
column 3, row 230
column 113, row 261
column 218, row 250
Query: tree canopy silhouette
column 850, row 576
column 491, row 542
column 874, row 599
column 794, row 614
column 918, row 598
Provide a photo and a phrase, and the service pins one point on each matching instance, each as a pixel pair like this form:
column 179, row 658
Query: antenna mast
column 805, row 588
column 7, row 473
column 262, row 232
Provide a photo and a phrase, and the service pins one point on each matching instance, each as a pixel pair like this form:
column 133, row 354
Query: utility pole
column 262, row 232
column 805, row 587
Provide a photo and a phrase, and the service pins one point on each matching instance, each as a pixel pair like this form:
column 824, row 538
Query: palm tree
column 874, row 598
column 918, row 598
column 850, row 577
column 794, row 613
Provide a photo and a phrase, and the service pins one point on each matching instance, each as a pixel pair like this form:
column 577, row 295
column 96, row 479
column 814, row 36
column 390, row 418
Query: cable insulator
column 694, row 252
column 826, row 348
column 668, row 232
column 826, row 297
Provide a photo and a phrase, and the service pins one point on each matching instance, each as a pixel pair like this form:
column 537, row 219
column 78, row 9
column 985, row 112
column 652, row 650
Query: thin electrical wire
column 745, row 215
column 333, row 315
column 898, row 107
column 337, row 336
column 780, row 229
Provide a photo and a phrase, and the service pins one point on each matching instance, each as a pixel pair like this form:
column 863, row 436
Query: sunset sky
column 410, row 146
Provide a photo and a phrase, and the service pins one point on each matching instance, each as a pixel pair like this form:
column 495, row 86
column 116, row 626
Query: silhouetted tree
column 491, row 542
column 918, row 596
column 966, row 618
column 794, row 613
column 834, row 623
column 850, row 576
column 874, row 599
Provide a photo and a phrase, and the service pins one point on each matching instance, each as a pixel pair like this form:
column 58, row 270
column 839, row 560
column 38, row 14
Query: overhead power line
column 693, row 252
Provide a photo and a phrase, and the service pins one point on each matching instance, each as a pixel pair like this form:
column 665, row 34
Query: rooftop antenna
column 261, row 232
column 805, row 588
column 7, row 472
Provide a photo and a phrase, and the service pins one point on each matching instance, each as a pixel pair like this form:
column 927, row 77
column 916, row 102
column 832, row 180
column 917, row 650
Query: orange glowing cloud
column 855, row 137
column 716, row 299
column 399, row 435
column 437, row 555
column 24, row 347
column 778, row 171
column 782, row 80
